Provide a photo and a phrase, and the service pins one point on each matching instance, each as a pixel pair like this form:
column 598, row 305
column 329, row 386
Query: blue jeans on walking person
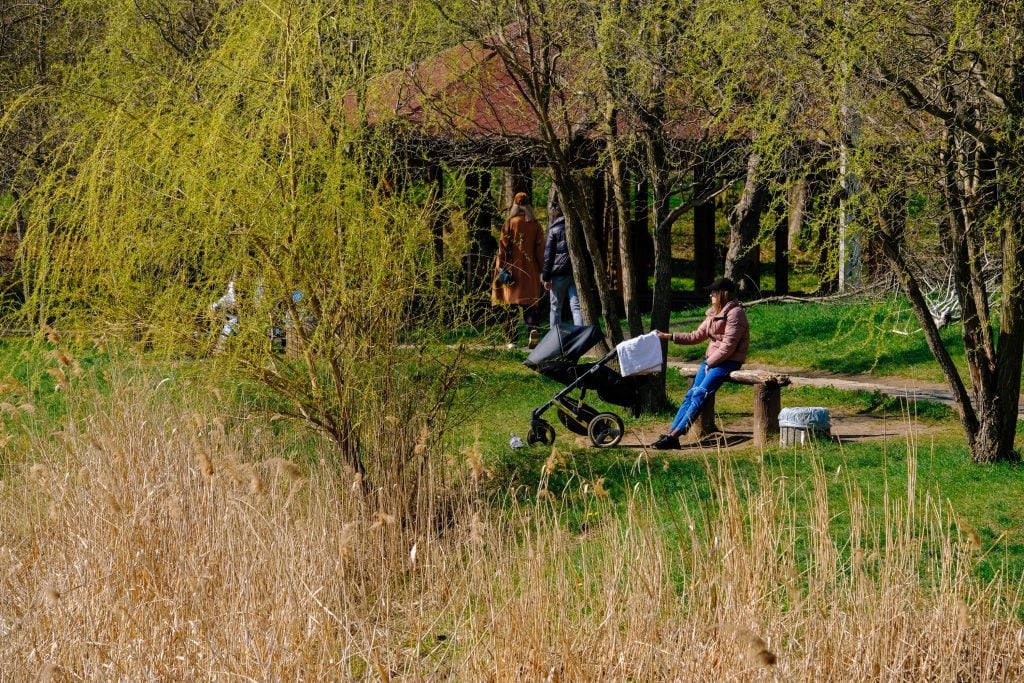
column 705, row 384
column 562, row 286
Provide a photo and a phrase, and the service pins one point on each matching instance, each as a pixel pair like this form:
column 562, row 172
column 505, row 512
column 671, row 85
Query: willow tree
column 940, row 88
column 772, row 69
column 38, row 39
column 645, row 58
column 949, row 78
column 168, row 177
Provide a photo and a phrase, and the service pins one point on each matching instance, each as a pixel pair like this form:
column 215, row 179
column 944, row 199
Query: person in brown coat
column 521, row 254
column 728, row 330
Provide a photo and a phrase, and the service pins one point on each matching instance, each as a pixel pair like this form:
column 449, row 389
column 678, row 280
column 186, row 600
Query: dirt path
column 900, row 387
column 847, row 425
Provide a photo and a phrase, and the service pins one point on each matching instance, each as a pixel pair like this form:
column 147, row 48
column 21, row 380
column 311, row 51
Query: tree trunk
column 742, row 260
column 630, row 288
column 1011, row 340
column 654, row 397
column 518, row 178
column 582, row 268
column 850, row 257
column 797, row 204
column 704, row 257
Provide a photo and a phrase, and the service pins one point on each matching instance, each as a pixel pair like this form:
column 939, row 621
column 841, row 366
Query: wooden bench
column 767, row 403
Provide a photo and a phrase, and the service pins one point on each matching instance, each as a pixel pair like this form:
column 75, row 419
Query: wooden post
column 643, row 243
column 518, row 178
column 479, row 262
column 767, row 404
column 435, row 191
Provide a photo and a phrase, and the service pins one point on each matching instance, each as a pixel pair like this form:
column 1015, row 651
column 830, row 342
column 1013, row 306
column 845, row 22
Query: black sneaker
column 666, row 443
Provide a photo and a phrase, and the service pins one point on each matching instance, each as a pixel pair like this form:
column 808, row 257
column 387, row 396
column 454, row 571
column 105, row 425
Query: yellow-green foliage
column 171, row 175
column 240, row 165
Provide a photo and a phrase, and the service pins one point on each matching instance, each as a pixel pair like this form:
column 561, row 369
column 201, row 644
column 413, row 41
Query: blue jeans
column 561, row 287
column 705, row 384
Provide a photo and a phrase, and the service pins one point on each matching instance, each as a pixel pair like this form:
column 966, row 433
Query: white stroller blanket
column 640, row 355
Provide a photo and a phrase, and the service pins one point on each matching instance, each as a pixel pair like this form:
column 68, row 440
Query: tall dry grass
column 152, row 540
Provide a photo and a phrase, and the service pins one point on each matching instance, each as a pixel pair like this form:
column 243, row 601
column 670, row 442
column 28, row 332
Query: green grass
column 855, row 337
column 498, row 394
column 501, row 393
column 848, row 337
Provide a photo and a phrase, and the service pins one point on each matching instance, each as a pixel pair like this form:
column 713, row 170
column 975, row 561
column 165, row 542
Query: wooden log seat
column 767, row 403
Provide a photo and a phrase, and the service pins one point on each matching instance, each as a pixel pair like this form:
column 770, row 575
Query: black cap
column 722, row 284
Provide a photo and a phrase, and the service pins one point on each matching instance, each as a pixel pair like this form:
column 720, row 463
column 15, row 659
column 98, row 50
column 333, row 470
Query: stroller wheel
column 605, row 430
column 541, row 432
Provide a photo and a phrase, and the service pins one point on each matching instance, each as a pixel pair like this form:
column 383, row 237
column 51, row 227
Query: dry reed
column 131, row 552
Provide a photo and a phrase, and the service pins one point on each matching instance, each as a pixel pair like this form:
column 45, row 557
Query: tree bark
column 704, row 257
column 1011, row 339
column 744, row 225
column 630, row 288
column 797, row 204
column 850, row 256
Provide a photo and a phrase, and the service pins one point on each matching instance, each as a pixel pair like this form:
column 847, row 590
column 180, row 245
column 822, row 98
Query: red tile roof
column 466, row 92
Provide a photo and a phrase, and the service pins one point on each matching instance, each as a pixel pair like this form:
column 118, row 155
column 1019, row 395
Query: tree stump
column 767, row 404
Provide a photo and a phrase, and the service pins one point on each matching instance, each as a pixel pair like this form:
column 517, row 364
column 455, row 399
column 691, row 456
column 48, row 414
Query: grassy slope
column 987, row 499
column 497, row 398
column 848, row 338
column 499, row 394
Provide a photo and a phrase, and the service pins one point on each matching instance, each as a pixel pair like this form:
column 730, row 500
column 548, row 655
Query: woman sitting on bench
column 726, row 326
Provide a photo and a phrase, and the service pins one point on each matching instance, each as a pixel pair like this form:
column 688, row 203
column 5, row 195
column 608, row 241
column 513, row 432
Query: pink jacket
column 728, row 331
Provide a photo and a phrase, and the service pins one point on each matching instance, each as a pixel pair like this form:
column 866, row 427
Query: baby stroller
column 557, row 357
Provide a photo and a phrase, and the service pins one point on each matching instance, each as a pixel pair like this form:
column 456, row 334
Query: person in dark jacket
column 728, row 330
column 557, row 271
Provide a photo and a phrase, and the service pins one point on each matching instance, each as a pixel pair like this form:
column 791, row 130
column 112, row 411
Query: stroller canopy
column 563, row 345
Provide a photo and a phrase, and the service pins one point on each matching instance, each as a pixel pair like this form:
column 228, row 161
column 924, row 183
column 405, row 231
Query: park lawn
column 498, row 394
column 986, row 500
column 850, row 337
column 855, row 336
